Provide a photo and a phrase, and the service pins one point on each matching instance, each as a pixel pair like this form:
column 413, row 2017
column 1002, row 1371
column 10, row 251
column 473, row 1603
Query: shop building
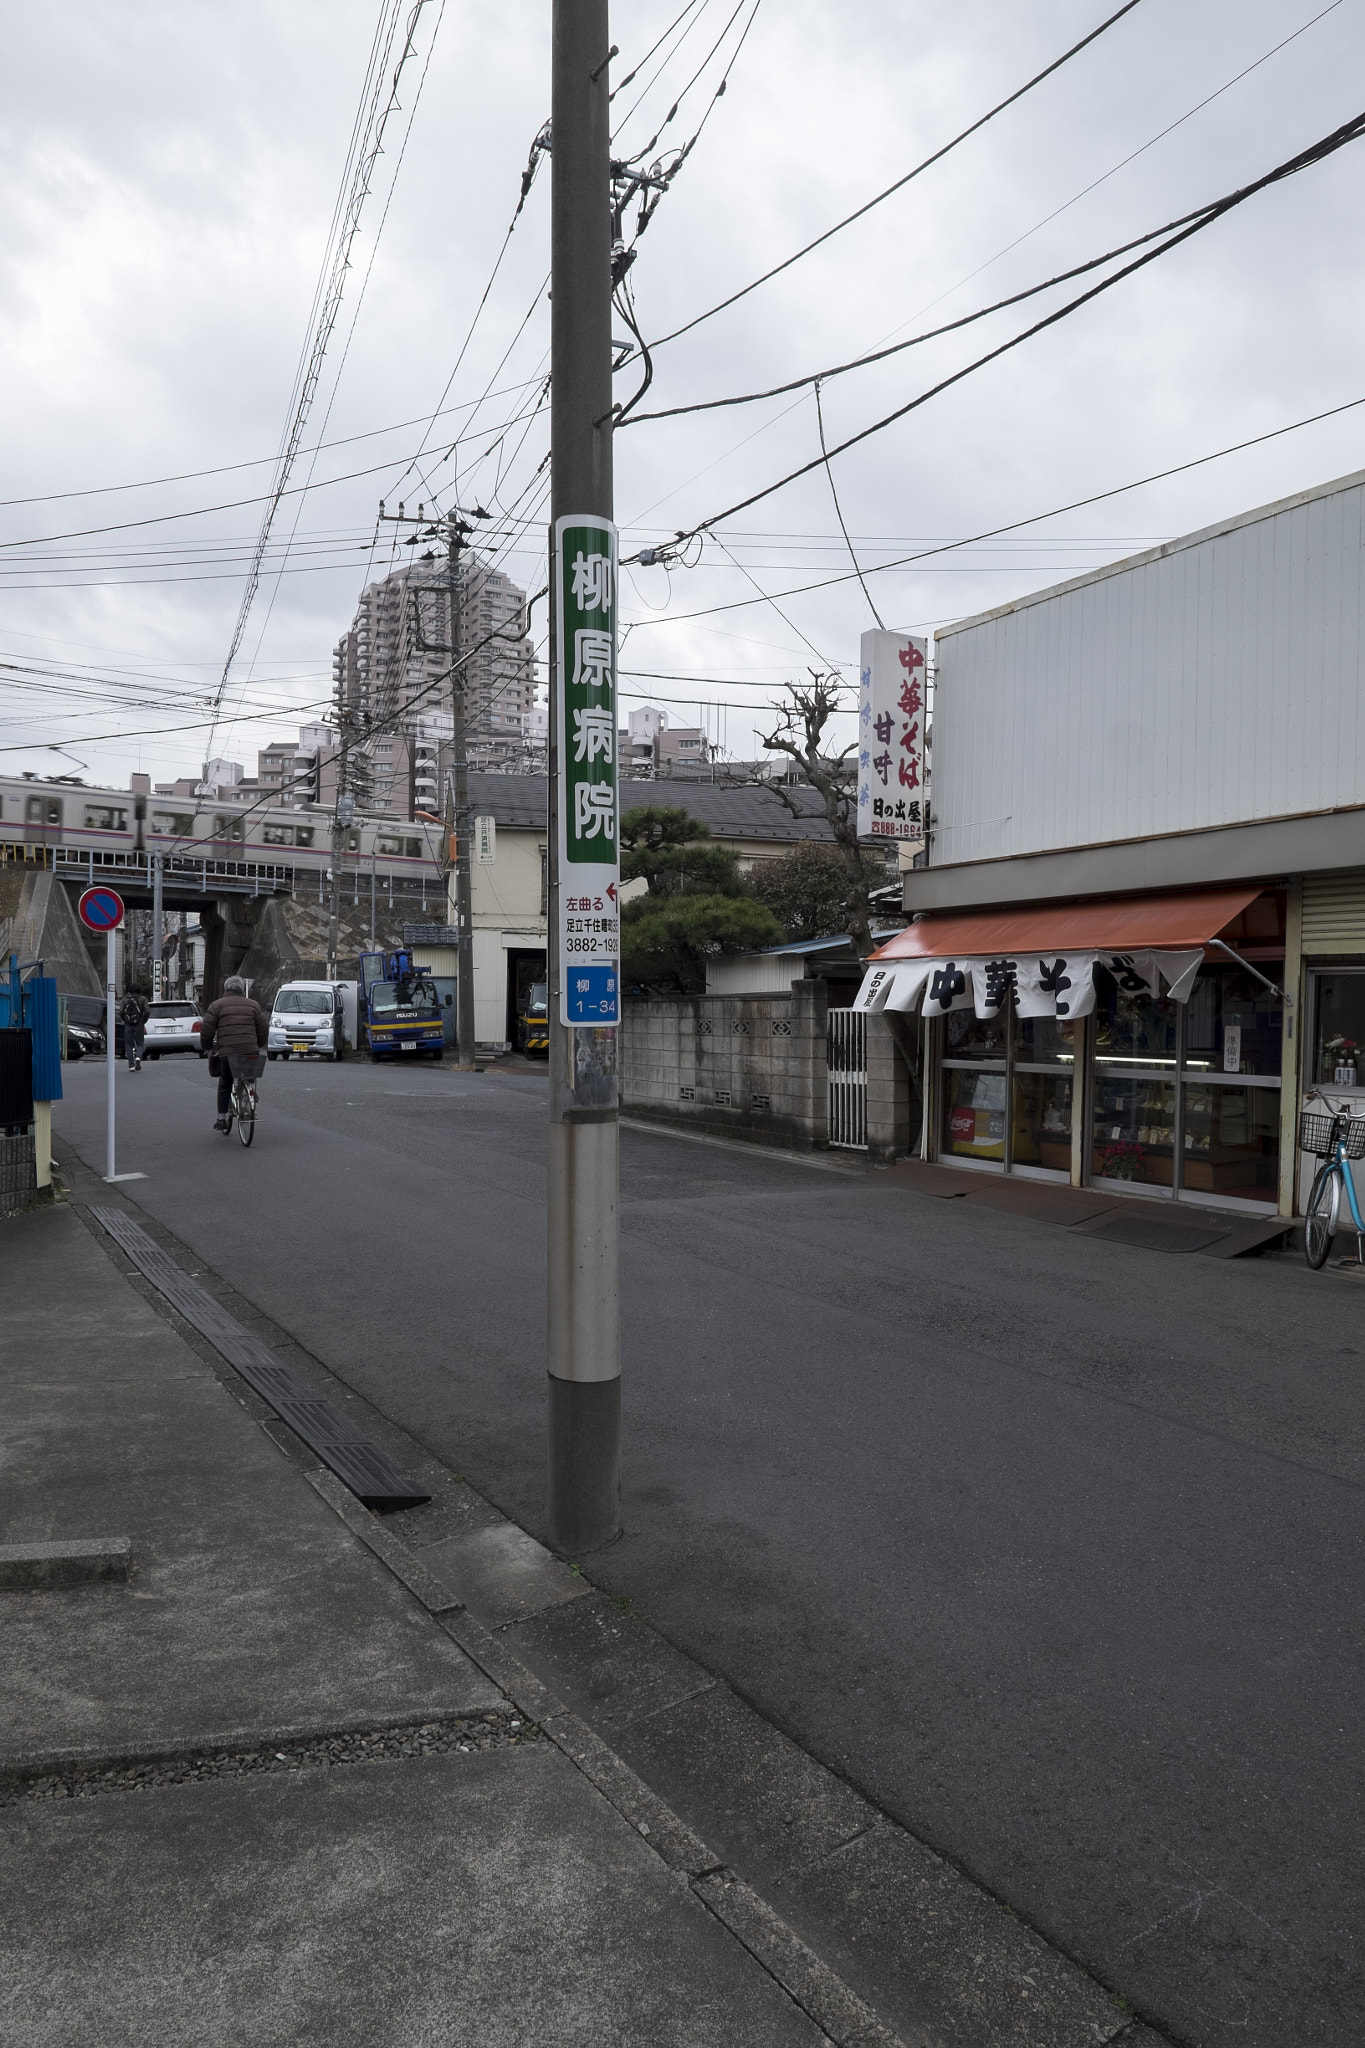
column 1140, row 939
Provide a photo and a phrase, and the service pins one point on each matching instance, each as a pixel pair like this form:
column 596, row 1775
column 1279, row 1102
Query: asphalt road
column 1053, row 1546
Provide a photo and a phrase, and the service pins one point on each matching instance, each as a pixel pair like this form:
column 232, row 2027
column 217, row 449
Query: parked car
column 84, row 1026
column 174, row 1027
column 310, row 1017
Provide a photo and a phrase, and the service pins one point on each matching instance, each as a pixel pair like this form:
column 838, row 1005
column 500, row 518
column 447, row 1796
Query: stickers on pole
column 891, row 712
column 589, row 855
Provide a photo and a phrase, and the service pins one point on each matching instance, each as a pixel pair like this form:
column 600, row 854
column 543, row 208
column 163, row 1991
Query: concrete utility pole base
column 585, row 1464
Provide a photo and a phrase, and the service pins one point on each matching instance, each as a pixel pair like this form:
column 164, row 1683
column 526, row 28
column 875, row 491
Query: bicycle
column 242, row 1110
column 1336, row 1139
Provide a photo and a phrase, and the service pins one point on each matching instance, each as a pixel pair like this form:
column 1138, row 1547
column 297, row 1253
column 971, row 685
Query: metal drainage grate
column 357, row 1462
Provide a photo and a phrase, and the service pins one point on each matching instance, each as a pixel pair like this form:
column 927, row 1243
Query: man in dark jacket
column 134, row 1011
column 236, row 1029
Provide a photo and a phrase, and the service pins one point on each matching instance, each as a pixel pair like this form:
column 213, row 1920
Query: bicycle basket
column 1318, row 1134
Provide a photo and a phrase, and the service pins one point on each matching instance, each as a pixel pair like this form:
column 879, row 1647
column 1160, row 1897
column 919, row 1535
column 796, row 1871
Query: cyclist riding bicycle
column 235, row 1029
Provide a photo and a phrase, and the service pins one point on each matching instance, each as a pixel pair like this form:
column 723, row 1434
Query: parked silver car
column 173, row 1027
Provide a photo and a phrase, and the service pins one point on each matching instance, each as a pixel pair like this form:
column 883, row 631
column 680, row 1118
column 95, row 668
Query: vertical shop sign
column 486, row 841
column 589, row 856
column 891, row 711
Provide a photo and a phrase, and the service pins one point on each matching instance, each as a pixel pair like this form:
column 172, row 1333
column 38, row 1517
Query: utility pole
column 464, row 890
column 342, row 814
column 583, row 1279
column 457, row 531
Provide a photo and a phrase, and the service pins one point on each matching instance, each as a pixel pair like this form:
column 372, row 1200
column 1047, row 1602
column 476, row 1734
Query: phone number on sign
column 600, row 945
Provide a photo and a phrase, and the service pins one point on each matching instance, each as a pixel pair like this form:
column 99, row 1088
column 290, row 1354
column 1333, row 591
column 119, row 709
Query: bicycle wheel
column 246, row 1115
column 1320, row 1221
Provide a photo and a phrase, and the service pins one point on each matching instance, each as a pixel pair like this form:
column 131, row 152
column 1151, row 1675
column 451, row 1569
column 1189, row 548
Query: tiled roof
column 745, row 811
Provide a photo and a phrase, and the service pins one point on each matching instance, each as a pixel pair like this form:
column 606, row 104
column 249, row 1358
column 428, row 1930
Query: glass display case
column 1231, row 1141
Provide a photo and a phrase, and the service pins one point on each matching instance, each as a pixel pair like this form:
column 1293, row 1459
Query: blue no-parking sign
column 100, row 910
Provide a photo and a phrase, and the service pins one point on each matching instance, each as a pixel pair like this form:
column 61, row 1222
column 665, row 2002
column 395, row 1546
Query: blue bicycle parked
column 1336, row 1140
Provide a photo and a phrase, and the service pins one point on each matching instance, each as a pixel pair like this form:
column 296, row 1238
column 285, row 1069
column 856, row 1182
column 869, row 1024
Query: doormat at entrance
column 1155, row 1233
column 927, row 1179
column 1043, row 1203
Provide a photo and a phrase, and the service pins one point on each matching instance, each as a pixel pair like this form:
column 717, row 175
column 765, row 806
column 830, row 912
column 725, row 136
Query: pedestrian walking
column 133, row 1015
column 234, row 1028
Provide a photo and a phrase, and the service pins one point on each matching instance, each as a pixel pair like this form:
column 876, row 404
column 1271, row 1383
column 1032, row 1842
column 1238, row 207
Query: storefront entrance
column 1180, row 1099
column 1186, row 1096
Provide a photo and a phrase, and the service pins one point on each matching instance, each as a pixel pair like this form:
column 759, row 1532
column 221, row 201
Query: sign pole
column 583, row 1284
column 101, row 910
column 158, row 920
column 110, row 1034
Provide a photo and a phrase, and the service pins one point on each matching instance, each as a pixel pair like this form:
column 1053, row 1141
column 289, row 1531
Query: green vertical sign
column 586, row 574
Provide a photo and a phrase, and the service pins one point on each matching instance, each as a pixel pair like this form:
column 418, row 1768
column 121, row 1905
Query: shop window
column 1133, row 1130
column 1044, row 1041
column 973, row 1114
column 1133, row 1031
column 969, row 1037
column 1339, row 1030
column 1233, row 1023
column 1231, row 1141
column 1042, row 1121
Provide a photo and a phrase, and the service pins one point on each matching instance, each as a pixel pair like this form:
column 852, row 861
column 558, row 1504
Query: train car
column 71, row 827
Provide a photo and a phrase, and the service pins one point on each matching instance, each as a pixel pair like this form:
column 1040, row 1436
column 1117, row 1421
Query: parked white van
column 312, row 1016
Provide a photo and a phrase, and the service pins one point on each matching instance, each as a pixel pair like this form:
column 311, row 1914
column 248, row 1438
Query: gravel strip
column 462, row 1736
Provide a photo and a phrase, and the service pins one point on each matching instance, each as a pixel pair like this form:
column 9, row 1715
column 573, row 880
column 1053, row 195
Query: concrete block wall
column 893, row 1107
column 741, row 1066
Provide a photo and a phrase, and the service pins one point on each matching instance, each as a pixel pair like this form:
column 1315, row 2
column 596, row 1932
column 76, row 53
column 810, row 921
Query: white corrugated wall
column 1213, row 683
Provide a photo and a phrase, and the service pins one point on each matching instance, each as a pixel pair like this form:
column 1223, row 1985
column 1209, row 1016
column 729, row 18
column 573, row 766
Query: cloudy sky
column 170, row 176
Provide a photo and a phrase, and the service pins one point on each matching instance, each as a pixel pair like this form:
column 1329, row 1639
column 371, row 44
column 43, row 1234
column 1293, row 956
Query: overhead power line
column 1011, row 526
column 184, row 476
column 1134, row 154
column 366, row 141
column 1317, row 152
column 895, row 348
column 900, row 183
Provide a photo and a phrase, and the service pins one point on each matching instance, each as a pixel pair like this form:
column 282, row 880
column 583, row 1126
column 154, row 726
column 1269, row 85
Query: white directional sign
column 589, row 855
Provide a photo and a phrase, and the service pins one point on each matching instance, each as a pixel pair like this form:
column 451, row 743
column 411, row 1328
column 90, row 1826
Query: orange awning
column 1123, row 924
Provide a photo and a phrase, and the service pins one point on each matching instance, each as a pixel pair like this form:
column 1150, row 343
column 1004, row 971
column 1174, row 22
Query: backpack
column 131, row 1013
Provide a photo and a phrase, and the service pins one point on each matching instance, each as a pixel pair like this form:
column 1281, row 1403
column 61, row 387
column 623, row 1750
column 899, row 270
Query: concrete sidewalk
column 256, row 1791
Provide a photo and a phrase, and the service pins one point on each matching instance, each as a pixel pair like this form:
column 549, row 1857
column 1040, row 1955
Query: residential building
column 509, row 893
column 649, row 746
column 1139, row 942
column 391, row 675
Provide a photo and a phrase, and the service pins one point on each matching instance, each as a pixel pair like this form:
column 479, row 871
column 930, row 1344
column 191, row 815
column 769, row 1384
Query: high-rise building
column 395, row 693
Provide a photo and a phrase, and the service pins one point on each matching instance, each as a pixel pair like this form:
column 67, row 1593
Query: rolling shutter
column 1334, row 912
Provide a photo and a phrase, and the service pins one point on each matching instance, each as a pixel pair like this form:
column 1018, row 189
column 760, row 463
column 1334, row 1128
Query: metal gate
column 846, row 1057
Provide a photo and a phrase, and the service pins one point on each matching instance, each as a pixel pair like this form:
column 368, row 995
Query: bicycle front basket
column 1352, row 1135
column 1317, row 1134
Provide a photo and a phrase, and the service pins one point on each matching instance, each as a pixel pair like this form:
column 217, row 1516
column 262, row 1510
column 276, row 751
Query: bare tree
column 803, row 718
